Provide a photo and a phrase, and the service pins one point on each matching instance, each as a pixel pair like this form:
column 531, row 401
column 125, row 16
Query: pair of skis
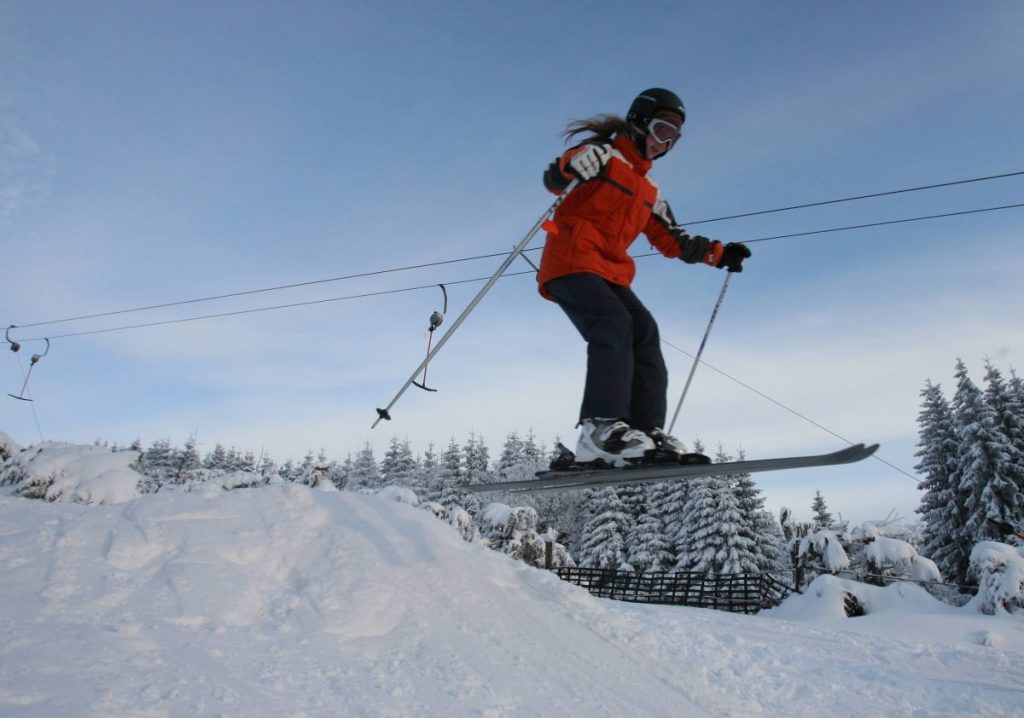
column 588, row 478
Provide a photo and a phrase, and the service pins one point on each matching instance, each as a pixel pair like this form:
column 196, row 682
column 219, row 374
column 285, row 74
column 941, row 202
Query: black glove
column 733, row 255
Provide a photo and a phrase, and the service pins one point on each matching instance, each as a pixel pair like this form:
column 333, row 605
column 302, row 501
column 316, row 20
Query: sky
column 161, row 153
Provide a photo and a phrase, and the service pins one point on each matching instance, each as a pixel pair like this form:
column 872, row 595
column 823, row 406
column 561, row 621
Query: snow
column 286, row 600
column 67, row 472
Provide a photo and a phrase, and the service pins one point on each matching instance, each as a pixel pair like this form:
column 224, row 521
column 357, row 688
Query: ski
column 588, row 478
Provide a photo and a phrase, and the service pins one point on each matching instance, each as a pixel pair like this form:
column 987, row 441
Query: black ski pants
column 626, row 374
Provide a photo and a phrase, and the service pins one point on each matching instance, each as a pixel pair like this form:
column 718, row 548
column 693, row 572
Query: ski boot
column 670, row 450
column 612, row 442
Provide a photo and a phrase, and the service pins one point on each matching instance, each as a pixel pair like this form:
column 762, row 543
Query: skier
column 585, row 268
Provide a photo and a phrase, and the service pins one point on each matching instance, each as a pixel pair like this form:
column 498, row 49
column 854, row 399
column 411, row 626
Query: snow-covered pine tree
column 647, row 548
column 531, row 451
column 670, row 498
column 249, row 462
column 452, row 474
column 476, row 460
column 822, row 517
column 774, row 558
column 427, row 481
column 365, row 473
column 511, row 458
column 604, row 544
column 398, row 467
column 216, row 459
column 160, row 464
column 942, row 505
column 1009, row 412
column 989, row 470
column 188, row 459
column 759, row 525
column 716, row 541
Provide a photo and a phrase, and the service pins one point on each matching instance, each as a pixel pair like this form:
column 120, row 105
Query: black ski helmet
column 650, row 101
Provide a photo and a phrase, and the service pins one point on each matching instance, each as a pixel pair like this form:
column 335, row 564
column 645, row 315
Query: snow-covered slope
column 290, row 601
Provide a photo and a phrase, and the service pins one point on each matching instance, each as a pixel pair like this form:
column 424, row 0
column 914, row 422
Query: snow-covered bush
column 439, row 511
column 8, row 447
column 1000, row 571
column 513, row 531
column 462, row 522
column 823, row 549
column 887, row 556
column 67, row 472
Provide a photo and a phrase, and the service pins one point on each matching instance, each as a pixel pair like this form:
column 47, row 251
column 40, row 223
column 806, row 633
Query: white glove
column 587, row 164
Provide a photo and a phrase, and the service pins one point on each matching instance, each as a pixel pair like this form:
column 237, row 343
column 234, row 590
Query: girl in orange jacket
column 585, row 268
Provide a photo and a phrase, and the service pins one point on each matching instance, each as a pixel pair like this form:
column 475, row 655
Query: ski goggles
column 664, row 131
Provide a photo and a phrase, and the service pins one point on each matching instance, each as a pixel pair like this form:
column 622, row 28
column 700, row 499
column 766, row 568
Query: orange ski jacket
column 595, row 225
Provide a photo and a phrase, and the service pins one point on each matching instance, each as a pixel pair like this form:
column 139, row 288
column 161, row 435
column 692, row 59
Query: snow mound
column 827, row 597
column 65, row 472
column 293, row 601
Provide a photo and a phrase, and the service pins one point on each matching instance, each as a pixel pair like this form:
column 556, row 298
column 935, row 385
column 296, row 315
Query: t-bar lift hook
column 435, row 321
column 15, row 346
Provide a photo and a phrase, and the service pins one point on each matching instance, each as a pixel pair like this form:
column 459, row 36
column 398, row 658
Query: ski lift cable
column 855, row 198
column 248, row 292
column 462, row 281
column 256, row 310
column 790, row 410
column 424, row 265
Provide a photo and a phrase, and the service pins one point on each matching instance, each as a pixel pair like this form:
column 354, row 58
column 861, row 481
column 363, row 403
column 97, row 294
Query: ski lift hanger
column 436, row 318
column 15, row 347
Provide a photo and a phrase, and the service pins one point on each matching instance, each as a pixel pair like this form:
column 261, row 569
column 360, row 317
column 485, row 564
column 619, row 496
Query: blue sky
column 158, row 152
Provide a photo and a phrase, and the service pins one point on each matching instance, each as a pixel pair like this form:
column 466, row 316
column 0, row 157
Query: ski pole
column 385, row 412
column 696, row 359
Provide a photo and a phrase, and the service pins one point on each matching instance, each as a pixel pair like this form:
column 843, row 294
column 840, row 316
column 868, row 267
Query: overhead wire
column 789, row 409
column 296, row 285
column 411, row 289
column 855, row 198
column 434, row 284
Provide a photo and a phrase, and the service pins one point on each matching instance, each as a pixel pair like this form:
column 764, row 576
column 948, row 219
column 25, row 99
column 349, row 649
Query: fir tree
column 216, row 459
column 189, row 459
column 427, row 482
column 714, row 541
column 769, row 553
column 160, row 464
column 942, row 505
column 647, row 548
column 398, row 467
column 511, row 458
column 670, row 498
column 822, row 517
column 452, row 473
column 989, row 471
column 604, row 544
column 476, row 460
column 365, row 473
